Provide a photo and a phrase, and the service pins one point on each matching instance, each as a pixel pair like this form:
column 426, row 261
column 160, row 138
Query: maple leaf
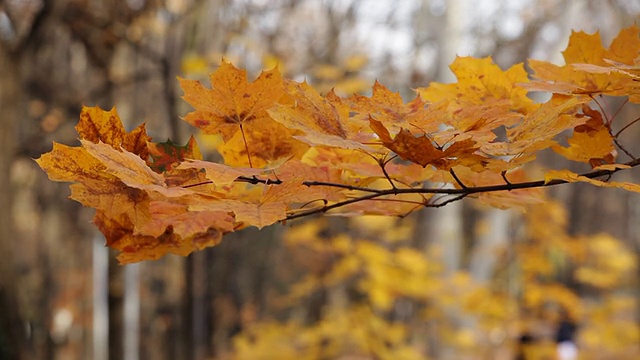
column 570, row 176
column 591, row 142
column 537, row 130
column 269, row 141
column 421, row 150
column 232, row 102
column 480, row 80
column 97, row 125
column 587, row 49
column 165, row 156
column 237, row 110
column 73, row 164
column 389, row 108
column 590, row 147
column 186, row 224
column 135, row 247
column 322, row 120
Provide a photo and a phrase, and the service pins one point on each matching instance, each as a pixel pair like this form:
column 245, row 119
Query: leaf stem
column 246, row 146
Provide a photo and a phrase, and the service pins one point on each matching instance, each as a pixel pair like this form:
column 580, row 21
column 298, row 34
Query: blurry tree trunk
column 100, row 262
column 442, row 229
column 12, row 334
column 116, row 309
column 495, row 237
column 196, row 316
column 131, row 312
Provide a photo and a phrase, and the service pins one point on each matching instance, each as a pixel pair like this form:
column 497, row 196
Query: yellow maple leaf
column 480, row 80
column 570, row 176
column 589, row 147
column 268, row 141
column 584, row 56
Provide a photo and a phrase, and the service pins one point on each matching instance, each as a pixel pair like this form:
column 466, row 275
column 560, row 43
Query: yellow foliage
column 356, row 331
column 609, row 262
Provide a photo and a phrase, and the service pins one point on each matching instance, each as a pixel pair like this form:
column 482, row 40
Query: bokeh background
column 461, row 282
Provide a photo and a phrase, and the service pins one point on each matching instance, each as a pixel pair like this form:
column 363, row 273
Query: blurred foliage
column 383, row 295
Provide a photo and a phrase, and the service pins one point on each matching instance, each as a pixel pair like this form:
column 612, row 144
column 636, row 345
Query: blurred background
column 460, row 282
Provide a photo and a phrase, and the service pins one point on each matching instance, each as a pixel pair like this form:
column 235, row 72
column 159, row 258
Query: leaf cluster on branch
column 291, row 152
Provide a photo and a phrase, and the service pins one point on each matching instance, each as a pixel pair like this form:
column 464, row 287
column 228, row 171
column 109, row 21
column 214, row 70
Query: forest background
column 476, row 279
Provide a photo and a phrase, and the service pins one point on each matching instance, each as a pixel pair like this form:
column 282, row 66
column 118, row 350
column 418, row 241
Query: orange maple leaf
column 389, row 108
column 98, row 125
column 323, row 120
column 421, row 150
column 237, row 110
column 231, row 103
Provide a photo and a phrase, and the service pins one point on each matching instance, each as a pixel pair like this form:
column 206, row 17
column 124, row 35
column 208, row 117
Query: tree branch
column 461, row 192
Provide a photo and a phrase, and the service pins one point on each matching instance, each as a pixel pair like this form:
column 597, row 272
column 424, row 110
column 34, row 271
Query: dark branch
column 461, row 193
column 455, row 177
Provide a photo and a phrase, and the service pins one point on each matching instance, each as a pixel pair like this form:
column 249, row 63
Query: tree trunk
column 12, row 334
column 116, row 309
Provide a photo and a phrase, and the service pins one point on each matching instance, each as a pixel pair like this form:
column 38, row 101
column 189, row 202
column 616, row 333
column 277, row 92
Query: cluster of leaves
column 291, row 152
column 369, row 313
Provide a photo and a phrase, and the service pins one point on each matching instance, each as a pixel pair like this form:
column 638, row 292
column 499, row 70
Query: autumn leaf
column 537, row 130
column 165, row 156
column 97, row 125
column 570, row 176
column 586, row 49
column 322, row 120
column 269, row 142
column 421, row 150
column 220, row 174
column 390, row 109
column 237, row 110
column 594, row 147
column 480, row 80
column 138, row 247
column 231, row 102
column 73, row 164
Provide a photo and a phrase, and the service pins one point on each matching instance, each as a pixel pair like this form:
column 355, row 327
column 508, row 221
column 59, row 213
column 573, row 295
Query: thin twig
column 446, row 202
column 619, row 145
column 333, row 206
column 197, row 184
column 311, row 183
column 615, row 115
column 604, row 113
column 455, row 177
column 503, row 173
column 383, row 164
column 626, row 126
